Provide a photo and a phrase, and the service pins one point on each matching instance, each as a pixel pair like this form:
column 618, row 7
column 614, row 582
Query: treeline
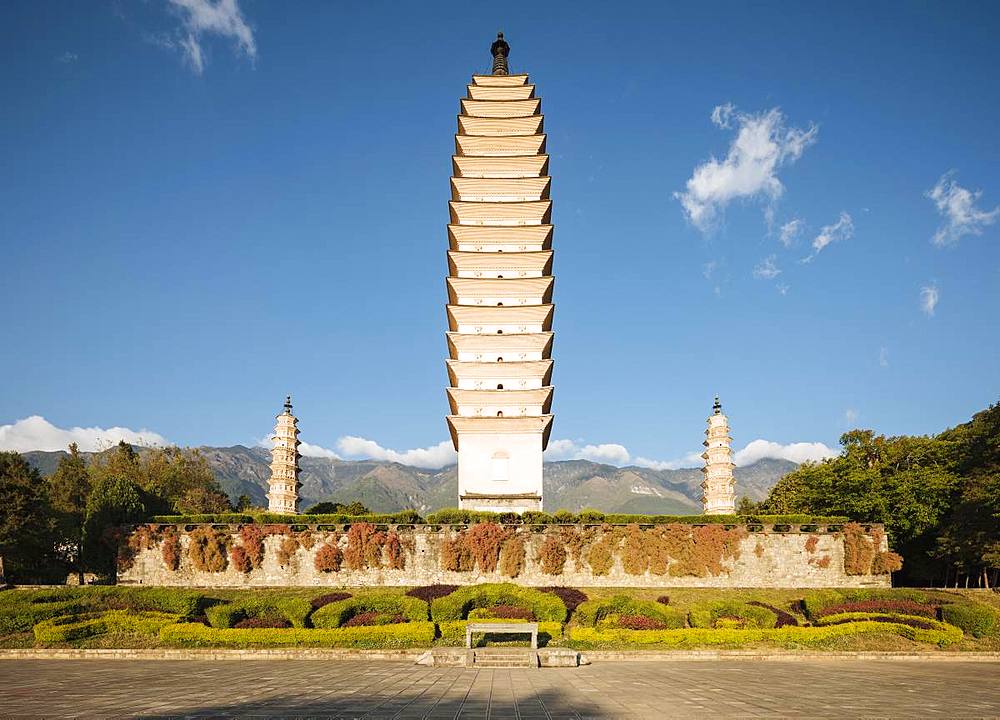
column 68, row 522
column 938, row 497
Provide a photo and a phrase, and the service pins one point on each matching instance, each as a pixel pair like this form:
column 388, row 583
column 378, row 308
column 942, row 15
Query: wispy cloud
column 841, row 230
column 433, row 457
column 790, row 232
column 929, row 296
column 67, row 58
column 202, row 18
column 957, row 206
column 762, row 145
column 37, row 433
column 767, row 269
column 883, row 357
column 850, row 416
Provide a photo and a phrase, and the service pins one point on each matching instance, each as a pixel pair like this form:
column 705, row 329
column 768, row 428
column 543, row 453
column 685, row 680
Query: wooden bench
column 502, row 628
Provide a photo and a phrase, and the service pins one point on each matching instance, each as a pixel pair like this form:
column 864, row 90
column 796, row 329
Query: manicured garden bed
column 591, row 619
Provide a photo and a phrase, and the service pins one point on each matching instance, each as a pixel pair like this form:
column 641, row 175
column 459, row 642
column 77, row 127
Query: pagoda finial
column 288, row 404
column 500, row 50
column 717, row 407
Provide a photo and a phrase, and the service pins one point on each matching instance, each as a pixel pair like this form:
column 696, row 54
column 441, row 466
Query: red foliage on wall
column 328, row 558
column 552, row 555
column 239, row 559
column 171, row 550
column 252, row 537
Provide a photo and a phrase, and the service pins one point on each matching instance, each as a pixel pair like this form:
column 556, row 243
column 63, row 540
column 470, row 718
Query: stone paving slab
column 358, row 688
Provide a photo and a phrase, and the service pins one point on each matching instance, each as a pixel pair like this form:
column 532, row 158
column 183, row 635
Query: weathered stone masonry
column 573, row 555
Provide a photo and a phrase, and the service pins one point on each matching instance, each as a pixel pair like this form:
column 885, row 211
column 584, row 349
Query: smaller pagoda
column 719, row 487
column 283, row 495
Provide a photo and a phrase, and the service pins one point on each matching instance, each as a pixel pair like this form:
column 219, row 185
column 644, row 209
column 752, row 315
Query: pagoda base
column 518, row 503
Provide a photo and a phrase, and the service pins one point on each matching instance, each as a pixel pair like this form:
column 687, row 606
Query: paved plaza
column 373, row 689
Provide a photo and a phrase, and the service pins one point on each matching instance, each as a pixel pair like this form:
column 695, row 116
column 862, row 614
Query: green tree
column 67, row 489
column 27, row 527
column 115, row 501
column 201, row 500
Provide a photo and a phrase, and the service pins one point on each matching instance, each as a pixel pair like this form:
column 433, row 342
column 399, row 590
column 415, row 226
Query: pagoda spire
column 719, row 486
column 283, row 495
column 500, row 50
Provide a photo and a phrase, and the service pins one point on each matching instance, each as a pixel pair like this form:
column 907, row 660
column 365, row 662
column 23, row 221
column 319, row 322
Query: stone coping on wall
column 774, row 528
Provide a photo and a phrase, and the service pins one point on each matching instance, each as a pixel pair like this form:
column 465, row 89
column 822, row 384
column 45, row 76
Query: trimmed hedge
column 975, row 619
column 814, row 603
column 406, row 517
column 453, row 631
column 455, row 516
column 456, row 606
column 587, row 638
column 752, row 616
column 76, row 627
column 917, row 621
column 593, row 612
column 226, row 615
column 335, row 614
column 402, row 635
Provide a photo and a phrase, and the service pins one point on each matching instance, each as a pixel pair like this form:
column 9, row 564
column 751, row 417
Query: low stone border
column 586, row 657
column 779, row 655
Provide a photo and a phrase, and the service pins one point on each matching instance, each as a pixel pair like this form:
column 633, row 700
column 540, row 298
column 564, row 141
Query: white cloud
column 929, row 296
column 790, row 231
column 67, row 58
column 850, row 416
column 783, row 288
column 37, row 433
column 843, row 229
column 610, row 453
column 958, row 207
column 767, row 269
column 762, row 145
column 692, row 459
column 796, row 452
column 433, row 457
column 211, row 17
column 309, row 450
column 883, row 357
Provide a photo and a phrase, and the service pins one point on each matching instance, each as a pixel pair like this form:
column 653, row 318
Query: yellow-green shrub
column 590, row 613
column 335, row 614
column 595, row 638
column 294, row 610
column 453, row 631
column 77, row 627
column 974, row 618
column 456, row 606
column 401, row 635
column 752, row 616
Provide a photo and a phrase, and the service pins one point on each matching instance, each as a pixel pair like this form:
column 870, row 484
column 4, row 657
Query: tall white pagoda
column 500, row 293
column 719, row 486
column 283, row 495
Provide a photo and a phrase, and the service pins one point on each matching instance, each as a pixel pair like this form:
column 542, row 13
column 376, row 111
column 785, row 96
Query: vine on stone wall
column 512, row 556
column 171, row 549
column 208, row 549
column 552, row 555
column 329, row 557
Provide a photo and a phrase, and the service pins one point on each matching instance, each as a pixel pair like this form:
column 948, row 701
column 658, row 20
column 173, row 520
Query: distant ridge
column 390, row 487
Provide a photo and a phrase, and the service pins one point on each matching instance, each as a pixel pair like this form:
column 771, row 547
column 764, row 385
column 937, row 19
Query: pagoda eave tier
column 501, row 372
column 500, row 80
column 500, row 291
column 500, row 108
column 500, row 146
column 511, row 214
column 528, row 189
column 497, row 127
column 459, row 425
column 495, row 398
column 493, row 92
column 499, row 344
column 513, row 167
column 509, row 238
column 500, row 320
column 492, row 264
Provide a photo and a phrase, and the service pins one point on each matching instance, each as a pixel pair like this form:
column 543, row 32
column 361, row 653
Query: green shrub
column 76, row 627
column 595, row 638
column 814, row 603
column 335, row 614
column 401, row 635
column 592, row 612
column 456, row 606
column 453, row 631
column 975, row 619
column 226, row 615
column 751, row 616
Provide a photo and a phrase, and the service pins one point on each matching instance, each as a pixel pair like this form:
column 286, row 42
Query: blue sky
column 206, row 206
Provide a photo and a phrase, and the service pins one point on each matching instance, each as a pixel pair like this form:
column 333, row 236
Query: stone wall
column 577, row 555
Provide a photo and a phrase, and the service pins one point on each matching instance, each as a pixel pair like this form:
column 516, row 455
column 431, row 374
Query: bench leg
column 534, row 641
column 468, row 638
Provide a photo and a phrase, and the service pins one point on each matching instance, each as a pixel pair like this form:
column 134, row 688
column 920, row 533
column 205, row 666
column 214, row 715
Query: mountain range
column 390, row 487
